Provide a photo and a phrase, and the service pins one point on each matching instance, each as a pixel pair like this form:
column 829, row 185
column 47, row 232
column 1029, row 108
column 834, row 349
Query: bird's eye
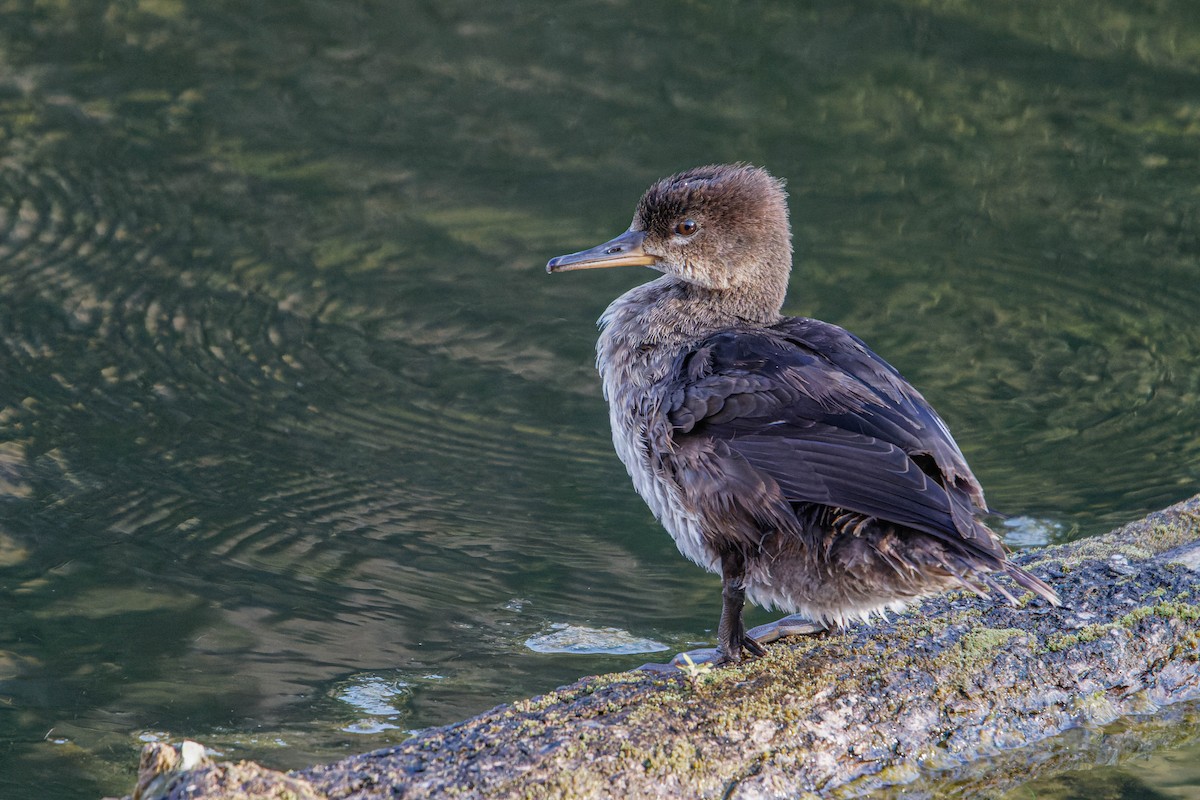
column 687, row 227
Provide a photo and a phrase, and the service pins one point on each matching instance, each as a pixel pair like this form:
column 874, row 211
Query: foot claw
column 753, row 647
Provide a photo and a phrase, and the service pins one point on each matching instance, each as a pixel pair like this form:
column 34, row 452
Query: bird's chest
column 635, row 396
column 634, row 386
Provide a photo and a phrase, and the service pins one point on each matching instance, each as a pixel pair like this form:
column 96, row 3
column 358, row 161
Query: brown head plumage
column 723, row 227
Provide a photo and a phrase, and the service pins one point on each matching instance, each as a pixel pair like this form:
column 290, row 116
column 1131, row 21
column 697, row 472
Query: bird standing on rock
column 779, row 452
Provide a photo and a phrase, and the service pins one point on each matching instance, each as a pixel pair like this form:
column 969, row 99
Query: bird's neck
column 643, row 330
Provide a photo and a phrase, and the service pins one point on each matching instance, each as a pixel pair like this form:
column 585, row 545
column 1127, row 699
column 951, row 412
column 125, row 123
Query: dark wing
column 809, row 405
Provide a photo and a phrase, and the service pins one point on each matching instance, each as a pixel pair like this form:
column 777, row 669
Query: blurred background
column 300, row 448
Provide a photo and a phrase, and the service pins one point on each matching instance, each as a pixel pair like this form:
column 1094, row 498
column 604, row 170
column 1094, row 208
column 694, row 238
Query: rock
column 949, row 682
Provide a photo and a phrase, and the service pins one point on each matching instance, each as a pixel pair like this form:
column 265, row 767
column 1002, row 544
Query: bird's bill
column 623, row 251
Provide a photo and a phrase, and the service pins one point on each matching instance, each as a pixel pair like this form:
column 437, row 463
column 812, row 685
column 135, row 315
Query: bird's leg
column 733, row 640
column 732, row 636
column 731, row 631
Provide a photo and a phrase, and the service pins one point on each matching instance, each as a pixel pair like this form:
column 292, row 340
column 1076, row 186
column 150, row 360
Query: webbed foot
column 709, row 656
column 752, row 645
column 791, row 625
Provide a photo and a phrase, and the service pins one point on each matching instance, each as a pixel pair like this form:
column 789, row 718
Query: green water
column 299, row 445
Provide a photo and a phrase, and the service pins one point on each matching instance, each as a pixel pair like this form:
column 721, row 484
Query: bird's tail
column 1033, row 583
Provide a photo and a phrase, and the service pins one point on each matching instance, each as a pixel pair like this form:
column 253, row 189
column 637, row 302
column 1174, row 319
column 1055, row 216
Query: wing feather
column 810, row 407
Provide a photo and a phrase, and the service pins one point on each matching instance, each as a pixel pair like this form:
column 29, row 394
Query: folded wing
column 811, row 407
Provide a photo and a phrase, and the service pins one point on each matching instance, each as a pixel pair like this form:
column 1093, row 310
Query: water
column 299, row 446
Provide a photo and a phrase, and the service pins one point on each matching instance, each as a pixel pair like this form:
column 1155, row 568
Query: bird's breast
column 634, row 376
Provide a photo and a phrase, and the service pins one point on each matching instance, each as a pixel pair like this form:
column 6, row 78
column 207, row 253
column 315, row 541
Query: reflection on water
column 294, row 429
column 1145, row 759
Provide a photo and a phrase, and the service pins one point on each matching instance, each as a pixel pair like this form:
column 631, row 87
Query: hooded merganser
column 779, row 452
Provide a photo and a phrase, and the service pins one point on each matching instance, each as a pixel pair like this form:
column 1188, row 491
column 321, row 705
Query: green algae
column 983, row 642
column 1187, row 612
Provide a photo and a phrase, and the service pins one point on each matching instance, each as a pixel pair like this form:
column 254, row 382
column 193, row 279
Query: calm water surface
column 301, row 450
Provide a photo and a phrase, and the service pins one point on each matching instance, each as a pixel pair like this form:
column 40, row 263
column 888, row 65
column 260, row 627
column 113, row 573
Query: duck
column 779, row 452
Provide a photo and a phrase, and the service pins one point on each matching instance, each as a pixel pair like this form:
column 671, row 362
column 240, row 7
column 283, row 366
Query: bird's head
column 722, row 227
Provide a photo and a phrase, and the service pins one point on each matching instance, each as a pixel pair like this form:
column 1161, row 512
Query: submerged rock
column 578, row 639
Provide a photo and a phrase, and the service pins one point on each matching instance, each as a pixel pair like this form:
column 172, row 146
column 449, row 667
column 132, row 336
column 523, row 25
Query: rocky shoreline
column 953, row 681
